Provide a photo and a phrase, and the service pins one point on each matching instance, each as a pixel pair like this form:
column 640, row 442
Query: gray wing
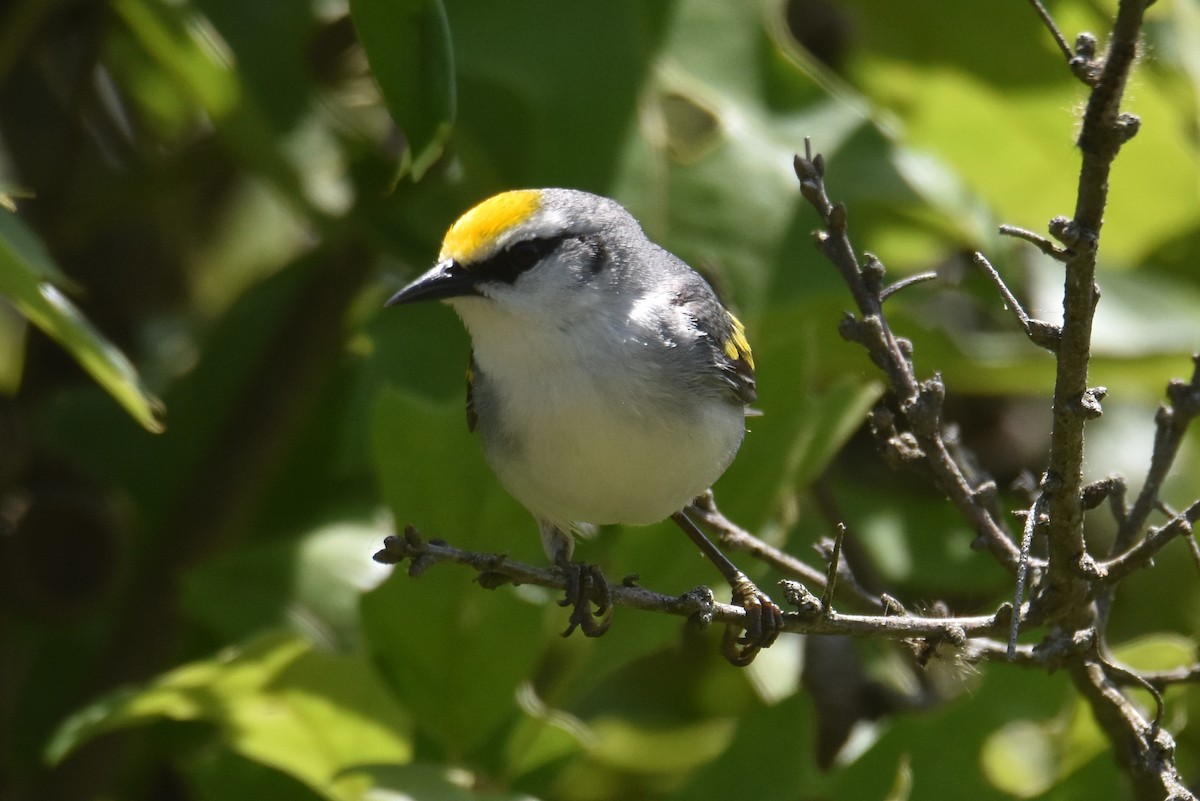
column 726, row 336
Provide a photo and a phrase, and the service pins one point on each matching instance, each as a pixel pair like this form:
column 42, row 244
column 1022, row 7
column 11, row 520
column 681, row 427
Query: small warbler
column 607, row 381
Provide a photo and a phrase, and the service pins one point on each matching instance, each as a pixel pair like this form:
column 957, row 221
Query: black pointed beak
column 448, row 279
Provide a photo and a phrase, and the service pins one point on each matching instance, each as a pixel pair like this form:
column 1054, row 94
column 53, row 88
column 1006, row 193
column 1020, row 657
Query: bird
column 607, row 381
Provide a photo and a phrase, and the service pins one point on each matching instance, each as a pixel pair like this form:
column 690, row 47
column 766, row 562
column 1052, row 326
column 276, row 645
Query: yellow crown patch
column 480, row 226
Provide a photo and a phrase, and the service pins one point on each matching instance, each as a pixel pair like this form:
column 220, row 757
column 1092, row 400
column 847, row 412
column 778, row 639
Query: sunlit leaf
column 311, row 583
column 986, row 107
column 26, row 272
column 627, row 745
column 1158, row 651
column 275, row 701
column 1021, row 758
column 183, row 43
column 427, row 782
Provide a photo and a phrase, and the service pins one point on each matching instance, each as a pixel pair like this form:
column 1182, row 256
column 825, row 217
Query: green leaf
column 276, row 701
column 1157, row 651
column 12, row 349
column 760, row 740
column 185, row 45
column 1020, row 758
column 311, row 583
column 1025, row 758
column 455, row 653
column 985, row 107
column 302, row 165
column 633, row 745
column 433, row 474
column 408, row 46
column 425, row 782
column 26, row 272
column 220, row 775
column 942, row 748
column 549, row 110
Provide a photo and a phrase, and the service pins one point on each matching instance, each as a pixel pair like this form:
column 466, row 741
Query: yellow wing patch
column 737, row 346
column 479, row 227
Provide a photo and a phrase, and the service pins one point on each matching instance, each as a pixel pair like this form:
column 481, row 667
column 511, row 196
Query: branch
column 495, row 570
column 920, row 402
column 1139, row 556
column 1145, row 750
column 1043, row 334
column 1172, row 422
column 1066, row 592
column 735, row 537
column 1048, row 21
column 1103, row 132
column 1072, row 580
column 905, row 283
column 1037, row 240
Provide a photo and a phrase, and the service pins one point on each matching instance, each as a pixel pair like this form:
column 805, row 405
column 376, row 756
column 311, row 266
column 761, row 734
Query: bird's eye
column 523, row 255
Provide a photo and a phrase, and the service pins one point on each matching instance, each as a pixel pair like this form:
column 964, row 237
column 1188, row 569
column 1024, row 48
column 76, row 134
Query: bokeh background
column 229, row 190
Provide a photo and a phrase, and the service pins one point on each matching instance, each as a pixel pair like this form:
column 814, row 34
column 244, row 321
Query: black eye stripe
column 515, row 259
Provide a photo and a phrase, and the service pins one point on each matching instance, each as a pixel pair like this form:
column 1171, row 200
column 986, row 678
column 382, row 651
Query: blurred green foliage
column 228, row 192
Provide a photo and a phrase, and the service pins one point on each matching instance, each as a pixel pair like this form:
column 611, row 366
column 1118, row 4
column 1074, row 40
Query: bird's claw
column 764, row 622
column 586, row 586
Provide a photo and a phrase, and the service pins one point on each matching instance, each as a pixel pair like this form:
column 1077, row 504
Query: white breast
column 572, row 434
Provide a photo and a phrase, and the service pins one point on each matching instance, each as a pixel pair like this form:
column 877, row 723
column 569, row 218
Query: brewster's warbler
column 608, row 383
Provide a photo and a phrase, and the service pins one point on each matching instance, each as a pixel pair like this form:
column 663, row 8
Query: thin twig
column 1194, row 549
column 1043, row 334
column 1037, row 240
column 1126, row 676
column 734, row 537
column 1034, row 518
column 1140, row 555
column 831, row 574
column 1048, row 21
column 858, row 578
column 1172, row 422
column 905, row 283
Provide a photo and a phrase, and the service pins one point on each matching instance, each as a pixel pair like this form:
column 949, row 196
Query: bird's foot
column 764, row 622
column 586, row 586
